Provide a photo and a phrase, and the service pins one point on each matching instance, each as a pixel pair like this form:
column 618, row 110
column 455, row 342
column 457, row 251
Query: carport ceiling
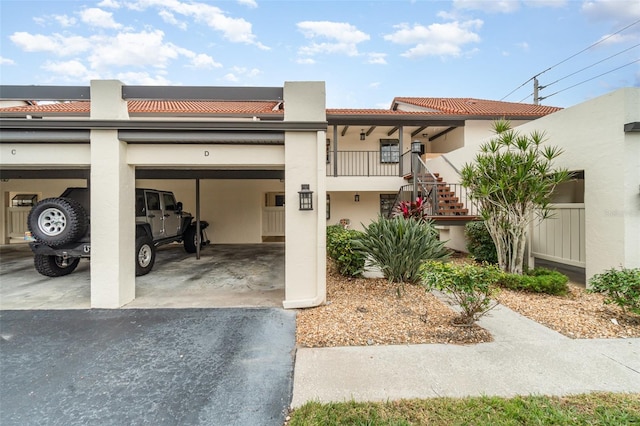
column 208, row 174
column 51, row 173
column 144, row 174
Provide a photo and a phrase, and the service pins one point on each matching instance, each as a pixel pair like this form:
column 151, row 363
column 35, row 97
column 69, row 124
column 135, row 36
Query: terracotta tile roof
column 159, row 107
column 476, row 107
column 428, row 106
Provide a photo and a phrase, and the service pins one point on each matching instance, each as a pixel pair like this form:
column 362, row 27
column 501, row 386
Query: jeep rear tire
column 55, row 266
column 57, row 221
column 145, row 255
column 190, row 243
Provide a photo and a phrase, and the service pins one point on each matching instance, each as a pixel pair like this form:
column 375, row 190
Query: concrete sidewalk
column 525, row 358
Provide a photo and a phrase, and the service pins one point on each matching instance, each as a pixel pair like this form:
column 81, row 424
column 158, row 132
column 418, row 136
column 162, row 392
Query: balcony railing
column 361, row 163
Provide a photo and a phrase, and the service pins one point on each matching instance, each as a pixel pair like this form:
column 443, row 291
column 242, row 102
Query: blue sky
column 367, row 52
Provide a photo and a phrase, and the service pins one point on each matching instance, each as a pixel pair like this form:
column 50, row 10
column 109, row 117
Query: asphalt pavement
column 146, row 366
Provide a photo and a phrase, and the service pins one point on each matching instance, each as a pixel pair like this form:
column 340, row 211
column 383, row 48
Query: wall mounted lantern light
column 362, row 135
column 306, row 197
column 356, row 198
column 416, row 147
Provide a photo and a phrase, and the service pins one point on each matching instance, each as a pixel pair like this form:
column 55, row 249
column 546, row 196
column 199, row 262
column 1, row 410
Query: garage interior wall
column 46, row 187
column 233, row 207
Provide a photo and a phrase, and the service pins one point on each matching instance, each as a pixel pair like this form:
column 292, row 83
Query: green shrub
column 398, row 246
column 349, row 262
column 472, row 287
column 538, row 280
column 621, row 287
column 479, row 242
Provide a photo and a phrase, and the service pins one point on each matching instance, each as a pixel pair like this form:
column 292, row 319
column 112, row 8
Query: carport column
column 304, row 155
column 112, row 203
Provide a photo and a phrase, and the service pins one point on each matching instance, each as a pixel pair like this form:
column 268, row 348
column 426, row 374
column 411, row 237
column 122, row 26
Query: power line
column 592, row 78
column 571, row 57
column 588, row 47
column 589, row 66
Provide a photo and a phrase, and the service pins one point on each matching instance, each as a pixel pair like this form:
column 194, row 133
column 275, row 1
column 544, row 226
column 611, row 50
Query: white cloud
column 143, row 79
column 249, row 3
column 253, row 72
column 202, row 61
column 72, row 69
column 6, row 61
column 64, row 20
column 490, row 6
column 305, row 61
column 343, row 38
column 546, row 3
column 56, row 43
column 170, row 18
column 99, row 18
column 135, row 49
column 236, row 30
column 437, row 39
column 374, row 85
column 621, row 13
column 230, row 77
column 377, row 58
column 109, row 3
column 523, row 46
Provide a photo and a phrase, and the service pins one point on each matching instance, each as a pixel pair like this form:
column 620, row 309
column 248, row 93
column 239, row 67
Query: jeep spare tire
column 57, row 221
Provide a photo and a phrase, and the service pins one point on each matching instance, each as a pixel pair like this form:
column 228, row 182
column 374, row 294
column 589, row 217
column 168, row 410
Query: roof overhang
column 153, row 131
column 83, row 93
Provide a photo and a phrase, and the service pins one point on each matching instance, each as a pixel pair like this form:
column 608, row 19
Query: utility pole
column 536, row 99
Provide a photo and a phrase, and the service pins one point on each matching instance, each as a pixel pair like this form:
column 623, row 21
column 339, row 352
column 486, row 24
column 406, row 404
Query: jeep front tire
column 57, row 221
column 145, row 255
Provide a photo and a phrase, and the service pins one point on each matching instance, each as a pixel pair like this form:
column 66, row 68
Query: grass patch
column 585, row 409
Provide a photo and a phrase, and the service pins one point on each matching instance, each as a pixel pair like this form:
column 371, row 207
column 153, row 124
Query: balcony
column 363, row 163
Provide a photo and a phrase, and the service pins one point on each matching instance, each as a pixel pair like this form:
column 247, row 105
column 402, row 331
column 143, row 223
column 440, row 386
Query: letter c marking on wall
column 14, row 152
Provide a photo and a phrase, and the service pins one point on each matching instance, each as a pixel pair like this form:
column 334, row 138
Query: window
column 386, row 204
column 153, row 201
column 389, row 150
column 140, row 209
column 169, row 202
column 328, row 150
column 328, row 206
column 24, row 200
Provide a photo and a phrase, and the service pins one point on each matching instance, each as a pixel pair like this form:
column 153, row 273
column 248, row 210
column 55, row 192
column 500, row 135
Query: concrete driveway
column 146, row 366
column 250, row 275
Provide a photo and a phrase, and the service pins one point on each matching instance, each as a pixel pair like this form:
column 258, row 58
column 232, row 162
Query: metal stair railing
column 427, row 186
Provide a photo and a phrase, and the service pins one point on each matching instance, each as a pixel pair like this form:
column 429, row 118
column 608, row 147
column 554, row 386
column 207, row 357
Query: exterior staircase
column 445, row 203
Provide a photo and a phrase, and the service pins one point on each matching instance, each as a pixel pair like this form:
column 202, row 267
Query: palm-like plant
column 399, row 246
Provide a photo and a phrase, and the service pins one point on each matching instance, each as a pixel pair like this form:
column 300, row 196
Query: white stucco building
column 242, row 155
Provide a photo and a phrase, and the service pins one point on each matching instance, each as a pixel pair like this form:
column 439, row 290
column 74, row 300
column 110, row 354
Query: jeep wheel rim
column 144, row 256
column 52, row 222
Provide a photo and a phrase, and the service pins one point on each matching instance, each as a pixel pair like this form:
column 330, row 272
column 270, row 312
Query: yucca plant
column 399, row 246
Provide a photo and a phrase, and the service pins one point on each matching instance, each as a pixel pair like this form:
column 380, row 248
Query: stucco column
column 112, row 206
column 305, row 157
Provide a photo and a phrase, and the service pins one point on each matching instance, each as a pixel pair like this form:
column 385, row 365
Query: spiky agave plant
column 399, row 246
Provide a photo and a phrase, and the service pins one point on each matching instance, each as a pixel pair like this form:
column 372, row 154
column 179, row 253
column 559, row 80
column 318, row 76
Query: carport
column 227, row 275
column 116, row 151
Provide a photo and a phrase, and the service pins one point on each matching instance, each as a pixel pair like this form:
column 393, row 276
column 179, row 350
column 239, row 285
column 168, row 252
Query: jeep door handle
column 151, row 216
column 167, row 215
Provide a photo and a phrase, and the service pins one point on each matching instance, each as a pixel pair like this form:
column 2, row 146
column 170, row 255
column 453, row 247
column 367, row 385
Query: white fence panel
column 273, row 221
column 561, row 237
column 18, row 221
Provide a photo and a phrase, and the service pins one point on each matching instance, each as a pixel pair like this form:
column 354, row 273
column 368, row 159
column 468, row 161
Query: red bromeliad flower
column 412, row 209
